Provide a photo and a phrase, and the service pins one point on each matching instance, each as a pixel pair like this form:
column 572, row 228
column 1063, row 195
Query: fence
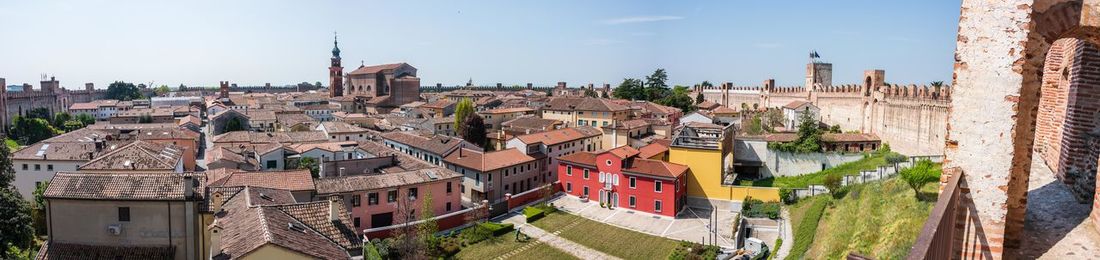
column 882, row 172
column 937, row 237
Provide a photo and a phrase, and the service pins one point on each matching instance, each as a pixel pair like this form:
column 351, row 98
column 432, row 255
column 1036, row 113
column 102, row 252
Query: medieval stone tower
column 818, row 72
column 335, row 72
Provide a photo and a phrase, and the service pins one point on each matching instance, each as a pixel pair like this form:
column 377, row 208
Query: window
column 586, row 191
column 448, row 206
column 356, row 222
column 633, row 201
column 24, row 166
column 489, row 178
column 657, row 206
column 608, row 162
column 37, row 167
column 568, row 169
column 49, row 167
column 356, row 200
column 124, row 214
column 391, row 196
column 568, row 187
column 585, row 174
column 657, row 186
column 633, row 183
column 271, row 164
column 412, row 193
column 372, row 198
column 448, row 187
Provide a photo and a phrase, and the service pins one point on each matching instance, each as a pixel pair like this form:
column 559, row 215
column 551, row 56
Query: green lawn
column 623, row 243
column 497, row 246
column 880, row 220
column 805, row 217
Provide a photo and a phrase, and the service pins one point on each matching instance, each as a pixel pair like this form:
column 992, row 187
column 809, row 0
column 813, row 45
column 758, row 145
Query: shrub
column 832, row 182
column 450, row 246
column 787, row 196
column 474, row 234
column 498, row 228
column 759, row 209
column 532, row 213
column 922, row 173
column 689, row 250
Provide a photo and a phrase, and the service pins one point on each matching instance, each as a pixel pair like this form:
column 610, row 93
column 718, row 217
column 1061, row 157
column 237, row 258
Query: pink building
column 389, row 188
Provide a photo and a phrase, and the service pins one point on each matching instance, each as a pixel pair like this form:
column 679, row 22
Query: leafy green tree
column 85, row 119
column 630, row 89
column 832, row 182
column 656, row 85
column 604, row 94
column 835, row 129
column 699, row 98
column 39, row 209
column 41, row 112
column 311, row 164
column 678, row 99
column 463, row 109
column 15, row 218
column 426, row 230
column 162, row 90
column 590, row 93
column 937, row 83
column 809, row 136
column 72, row 125
column 894, row 158
column 755, row 126
column 32, row 130
column 124, row 91
column 59, row 120
column 473, row 130
column 922, row 173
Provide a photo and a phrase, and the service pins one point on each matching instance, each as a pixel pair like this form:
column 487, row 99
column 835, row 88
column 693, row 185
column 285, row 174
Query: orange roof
column 292, row 180
column 656, row 168
column 652, row 149
column 508, row 110
column 723, row 110
column 488, row 161
column 377, row 68
column 555, row 136
column 624, row 151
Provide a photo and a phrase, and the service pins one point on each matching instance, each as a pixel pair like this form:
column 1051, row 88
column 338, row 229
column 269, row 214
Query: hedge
column 498, row 228
column 533, row 213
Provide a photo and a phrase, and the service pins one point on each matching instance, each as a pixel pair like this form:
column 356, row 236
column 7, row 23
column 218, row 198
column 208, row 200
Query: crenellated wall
column 911, row 118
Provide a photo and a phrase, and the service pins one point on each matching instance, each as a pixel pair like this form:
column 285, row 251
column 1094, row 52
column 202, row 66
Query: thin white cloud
column 641, row 19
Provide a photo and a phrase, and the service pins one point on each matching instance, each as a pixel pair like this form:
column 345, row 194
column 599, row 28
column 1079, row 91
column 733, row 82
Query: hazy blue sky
column 513, row 42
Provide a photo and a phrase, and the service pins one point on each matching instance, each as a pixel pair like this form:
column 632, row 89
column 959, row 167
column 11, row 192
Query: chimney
column 333, row 209
column 188, row 186
column 89, row 86
column 217, row 200
column 215, row 239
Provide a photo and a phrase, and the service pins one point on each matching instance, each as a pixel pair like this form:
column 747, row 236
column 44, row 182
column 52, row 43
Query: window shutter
column 601, row 177
column 616, row 180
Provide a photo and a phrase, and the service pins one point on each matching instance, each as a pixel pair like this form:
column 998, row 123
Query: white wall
column 26, row 179
column 792, row 164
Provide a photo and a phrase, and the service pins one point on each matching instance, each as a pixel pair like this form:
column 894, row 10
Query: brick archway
column 1001, row 51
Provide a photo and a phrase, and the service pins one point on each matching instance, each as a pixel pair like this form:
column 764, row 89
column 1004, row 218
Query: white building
column 547, row 146
column 793, row 113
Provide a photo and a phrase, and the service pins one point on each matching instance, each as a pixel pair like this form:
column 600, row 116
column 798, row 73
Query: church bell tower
column 335, row 71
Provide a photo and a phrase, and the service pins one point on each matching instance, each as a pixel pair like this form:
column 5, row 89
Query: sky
column 199, row 43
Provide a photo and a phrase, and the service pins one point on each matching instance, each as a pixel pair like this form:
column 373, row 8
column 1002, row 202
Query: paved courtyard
column 690, row 225
column 1056, row 225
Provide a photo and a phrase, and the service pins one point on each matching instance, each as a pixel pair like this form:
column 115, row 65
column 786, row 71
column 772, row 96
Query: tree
column 463, row 109
column 124, row 91
column 809, row 136
column 72, row 125
column 895, row 159
column 234, row 124
column 590, row 93
column 85, row 119
column 630, row 89
column 162, row 90
column 182, row 87
column 43, row 113
column 832, row 182
column 604, row 94
column 755, row 126
column 31, row 130
column 699, row 98
column 426, row 230
column 656, row 86
column 679, row 99
column 835, row 129
column 922, row 173
column 311, row 164
column 15, row 219
column 38, row 212
column 473, row 131
column 937, row 83
column 59, row 120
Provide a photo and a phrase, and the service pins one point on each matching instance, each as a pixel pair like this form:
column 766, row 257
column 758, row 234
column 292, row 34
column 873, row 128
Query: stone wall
column 1066, row 124
column 794, row 164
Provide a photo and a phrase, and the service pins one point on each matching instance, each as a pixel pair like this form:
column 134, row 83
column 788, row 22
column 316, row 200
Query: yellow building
column 707, row 149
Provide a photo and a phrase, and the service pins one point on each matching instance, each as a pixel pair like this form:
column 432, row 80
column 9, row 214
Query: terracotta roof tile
column 138, row 155
column 56, row 250
column 377, row 68
column 652, row 149
column 488, row 161
column 558, row 136
column 292, row 180
column 123, row 186
column 344, row 184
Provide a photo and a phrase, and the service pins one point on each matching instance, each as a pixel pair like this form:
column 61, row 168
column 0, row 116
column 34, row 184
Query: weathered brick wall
column 1052, row 104
column 1077, row 163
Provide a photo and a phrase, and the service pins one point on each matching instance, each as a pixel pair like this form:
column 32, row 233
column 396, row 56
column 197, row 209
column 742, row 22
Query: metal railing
column 937, row 238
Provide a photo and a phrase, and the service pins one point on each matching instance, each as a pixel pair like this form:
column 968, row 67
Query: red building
column 621, row 178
